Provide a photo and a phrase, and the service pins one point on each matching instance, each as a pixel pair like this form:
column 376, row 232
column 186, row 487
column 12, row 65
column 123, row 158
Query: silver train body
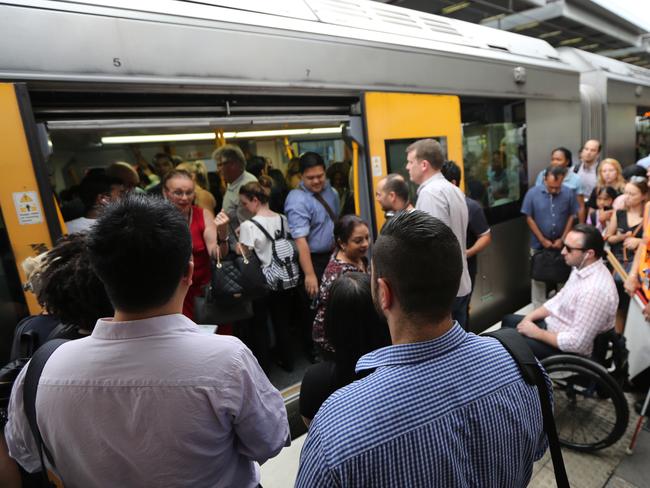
column 323, row 49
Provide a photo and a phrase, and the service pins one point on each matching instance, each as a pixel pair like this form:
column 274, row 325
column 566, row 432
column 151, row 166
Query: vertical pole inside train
column 26, row 199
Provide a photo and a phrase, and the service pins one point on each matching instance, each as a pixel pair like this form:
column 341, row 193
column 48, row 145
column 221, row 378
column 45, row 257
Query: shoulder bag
column 236, row 276
column 531, row 371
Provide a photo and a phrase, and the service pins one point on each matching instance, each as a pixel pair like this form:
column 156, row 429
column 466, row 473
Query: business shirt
column 550, row 212
column 588, row 177
column 452, row 411
column 152, row 403
column 583, row 308
column 231, row 204
column 308, row 218
column 571, row 180
column 446, row 202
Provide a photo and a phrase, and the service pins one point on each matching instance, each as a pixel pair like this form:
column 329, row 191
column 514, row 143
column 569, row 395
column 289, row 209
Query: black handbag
column 548, row 265
column 209, row 311
column 236, row 276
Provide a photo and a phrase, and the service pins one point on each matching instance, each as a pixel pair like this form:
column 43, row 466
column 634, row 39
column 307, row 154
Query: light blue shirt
column 571, row 180
column 452, row 411
column 308, row 218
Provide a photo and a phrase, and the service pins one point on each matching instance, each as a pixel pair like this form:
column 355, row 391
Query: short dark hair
column 567, row 154
column 140, row 248
column 69, row 288
column 256, row 166
column 310, row 160
column 555, row 171
column 429, row 150
column 94, row 185
column 352, row 325
column 413, row 245
column 633, row 170
column 451, row 171
column 395, row 183
column 344, row 227
column 592, row 239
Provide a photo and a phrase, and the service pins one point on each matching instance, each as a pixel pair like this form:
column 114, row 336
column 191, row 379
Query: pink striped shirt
column 583, row 308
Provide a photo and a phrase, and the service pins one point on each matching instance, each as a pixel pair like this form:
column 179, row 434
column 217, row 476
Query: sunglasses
column 571, row 249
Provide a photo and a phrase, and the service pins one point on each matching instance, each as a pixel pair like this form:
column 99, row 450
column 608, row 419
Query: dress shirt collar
column 413, row 353
column 109, row 329
column 437, row 176
column 588, row 270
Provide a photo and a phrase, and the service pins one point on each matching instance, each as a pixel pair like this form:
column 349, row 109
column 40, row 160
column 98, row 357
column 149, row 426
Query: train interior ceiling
column 93, row 130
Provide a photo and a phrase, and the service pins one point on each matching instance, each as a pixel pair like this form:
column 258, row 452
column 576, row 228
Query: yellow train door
column 395, row 120
column 29, row 219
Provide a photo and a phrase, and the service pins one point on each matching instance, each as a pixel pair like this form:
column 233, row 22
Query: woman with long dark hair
column 354, row 328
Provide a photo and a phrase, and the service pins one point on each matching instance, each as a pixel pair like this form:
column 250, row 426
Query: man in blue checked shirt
column 441, row 407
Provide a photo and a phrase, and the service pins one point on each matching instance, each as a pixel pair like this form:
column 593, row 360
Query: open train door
column 395, row 120
column 29, row 221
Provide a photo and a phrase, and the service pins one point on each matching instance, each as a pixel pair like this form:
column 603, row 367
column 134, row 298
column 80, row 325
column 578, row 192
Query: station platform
column 608, row 468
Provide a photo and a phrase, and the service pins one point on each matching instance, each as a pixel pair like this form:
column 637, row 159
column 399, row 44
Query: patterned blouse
column 334, row 269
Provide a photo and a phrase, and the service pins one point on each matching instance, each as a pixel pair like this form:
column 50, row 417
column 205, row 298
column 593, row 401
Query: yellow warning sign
column 28, row 207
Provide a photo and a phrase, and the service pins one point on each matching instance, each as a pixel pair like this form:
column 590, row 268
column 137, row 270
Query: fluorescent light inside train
column 208, row 136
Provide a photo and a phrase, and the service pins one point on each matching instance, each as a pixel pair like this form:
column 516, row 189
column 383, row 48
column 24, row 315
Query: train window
column 642, row 132
column 396, row 159
column 494, row 153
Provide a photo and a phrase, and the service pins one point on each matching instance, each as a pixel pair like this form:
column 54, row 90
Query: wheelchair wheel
column 590, row 408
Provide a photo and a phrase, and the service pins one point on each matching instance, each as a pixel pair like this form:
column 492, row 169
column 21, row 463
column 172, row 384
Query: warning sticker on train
column 28, row 207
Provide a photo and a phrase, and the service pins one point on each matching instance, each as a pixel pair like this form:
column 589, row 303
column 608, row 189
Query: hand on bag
column 311, row 285
column 221, row 219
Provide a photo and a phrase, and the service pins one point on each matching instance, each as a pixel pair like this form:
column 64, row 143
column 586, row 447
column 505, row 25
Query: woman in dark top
column 354, row 328
column 624, row 236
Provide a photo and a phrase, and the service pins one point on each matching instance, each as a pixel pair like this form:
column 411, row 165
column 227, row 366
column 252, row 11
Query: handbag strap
column 532, row 374
column 30, row 388
column 329, row 210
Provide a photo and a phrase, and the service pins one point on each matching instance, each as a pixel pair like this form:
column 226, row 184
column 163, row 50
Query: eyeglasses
column 571, row 249
column 180, row 194
column 221, row 164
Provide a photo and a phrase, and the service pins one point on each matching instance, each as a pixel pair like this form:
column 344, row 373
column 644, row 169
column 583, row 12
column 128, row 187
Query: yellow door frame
column 26, row 201
column 408, row 116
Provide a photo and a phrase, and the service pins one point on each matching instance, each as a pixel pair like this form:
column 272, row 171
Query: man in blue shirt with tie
column 440, row 407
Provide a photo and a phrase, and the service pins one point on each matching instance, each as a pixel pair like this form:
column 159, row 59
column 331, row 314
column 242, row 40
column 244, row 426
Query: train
column 85, row 83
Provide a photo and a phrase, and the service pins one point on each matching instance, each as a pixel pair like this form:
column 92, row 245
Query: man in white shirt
column 582, row 309
column 95, row 191
column 442, row 200
column 147, row 400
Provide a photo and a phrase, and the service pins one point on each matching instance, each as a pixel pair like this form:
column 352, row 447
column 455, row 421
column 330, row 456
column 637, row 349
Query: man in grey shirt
column 231, row 163
column 442, row 200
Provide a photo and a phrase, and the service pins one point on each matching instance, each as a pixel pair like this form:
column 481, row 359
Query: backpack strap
column 264, row 231
column 532, row 374
column 32, row 377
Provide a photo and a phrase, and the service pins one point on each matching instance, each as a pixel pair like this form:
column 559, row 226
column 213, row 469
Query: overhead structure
column 585, row 24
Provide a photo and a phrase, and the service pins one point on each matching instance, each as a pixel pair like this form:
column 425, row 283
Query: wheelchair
column 590, row 408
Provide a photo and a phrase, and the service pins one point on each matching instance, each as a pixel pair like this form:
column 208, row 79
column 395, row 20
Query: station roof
column 584, row 24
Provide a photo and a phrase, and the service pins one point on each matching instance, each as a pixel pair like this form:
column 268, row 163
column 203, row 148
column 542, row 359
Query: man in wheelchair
column 584, row 308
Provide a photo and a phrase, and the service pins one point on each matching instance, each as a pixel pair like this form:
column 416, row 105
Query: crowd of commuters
column 150, row 400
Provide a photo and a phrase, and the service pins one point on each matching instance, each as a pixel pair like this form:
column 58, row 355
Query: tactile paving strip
column 588, row 470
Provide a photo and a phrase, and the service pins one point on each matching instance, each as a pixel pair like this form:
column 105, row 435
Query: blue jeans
column 459, row 310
